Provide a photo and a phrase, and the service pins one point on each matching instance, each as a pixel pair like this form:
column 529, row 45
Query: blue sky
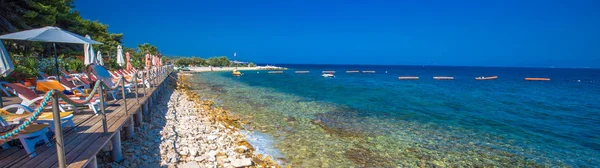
column 421, row 32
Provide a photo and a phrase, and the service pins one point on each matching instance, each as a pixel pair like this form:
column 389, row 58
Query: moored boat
column 486, row 78
column 443, row 78
column 328, row 75
column 408, row 78
column 275, row 72
column 537, row 79
column 236, row 73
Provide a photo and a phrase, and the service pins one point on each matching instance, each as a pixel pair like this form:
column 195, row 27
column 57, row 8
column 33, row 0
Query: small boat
column 329, row 72
column 302, row 72
column 408, row 78
column 443, row 78
column 486, row 78
column 236, row 73
column 352, row 71
column 275, row 72
column 537, row 79
column 328, row 75
column 368, row 71
column 185, row 69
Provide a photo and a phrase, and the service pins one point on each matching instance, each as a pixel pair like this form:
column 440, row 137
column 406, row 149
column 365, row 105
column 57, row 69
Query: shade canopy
column 6, row 64
column 89, row 55
column 99, row 58
column 49, row 34
column 120, row 59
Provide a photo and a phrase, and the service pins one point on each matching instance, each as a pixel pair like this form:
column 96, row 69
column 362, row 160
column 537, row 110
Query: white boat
column 328, row 75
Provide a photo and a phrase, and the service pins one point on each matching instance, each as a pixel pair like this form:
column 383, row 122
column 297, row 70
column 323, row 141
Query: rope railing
column 115, row 86
column 87, row 99
column 15, row 131
column 49, row 95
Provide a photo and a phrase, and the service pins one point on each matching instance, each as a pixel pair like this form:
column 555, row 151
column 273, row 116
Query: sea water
column 376, row 120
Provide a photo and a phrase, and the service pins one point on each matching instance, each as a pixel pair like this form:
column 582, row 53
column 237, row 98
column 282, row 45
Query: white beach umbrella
column 6, row 67
column 45, row 34
column 99, row 58
column 89, row 55
column 120, row 59
column 6, row 64
column 49, row 34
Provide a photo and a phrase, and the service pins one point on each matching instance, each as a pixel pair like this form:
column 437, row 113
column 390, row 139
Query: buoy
column 385, row 71
column 578, row 80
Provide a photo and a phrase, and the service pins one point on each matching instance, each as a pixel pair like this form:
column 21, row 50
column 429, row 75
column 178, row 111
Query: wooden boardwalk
column 82, row 145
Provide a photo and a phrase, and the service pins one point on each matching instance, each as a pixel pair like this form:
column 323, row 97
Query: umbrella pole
column 56, row 62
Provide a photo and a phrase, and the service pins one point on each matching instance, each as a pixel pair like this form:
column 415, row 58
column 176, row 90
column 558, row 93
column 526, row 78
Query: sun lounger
column 29, row 97
column 66, row 118
column 33, row 134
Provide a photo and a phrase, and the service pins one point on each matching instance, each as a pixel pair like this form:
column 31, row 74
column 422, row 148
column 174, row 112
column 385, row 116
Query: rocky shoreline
column 186, row 131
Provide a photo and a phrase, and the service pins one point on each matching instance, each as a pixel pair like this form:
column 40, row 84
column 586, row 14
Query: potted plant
column 26, row 71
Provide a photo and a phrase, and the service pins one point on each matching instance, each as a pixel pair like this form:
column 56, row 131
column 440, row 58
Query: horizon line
column 481, row 66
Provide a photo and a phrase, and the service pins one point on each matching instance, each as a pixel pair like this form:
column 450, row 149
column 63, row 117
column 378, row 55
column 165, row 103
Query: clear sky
column 561, row 33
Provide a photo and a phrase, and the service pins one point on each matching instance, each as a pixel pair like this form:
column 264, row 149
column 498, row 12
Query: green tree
column 218, row 61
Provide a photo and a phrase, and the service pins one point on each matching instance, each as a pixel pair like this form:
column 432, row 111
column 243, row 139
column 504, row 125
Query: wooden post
column 144, row 110
column 58, row 134
column 138, row 116
column 124, row 95
column 93, row 163
column 149, row 112
column 102, row 108
column 116, row 153
column 130, row 129
column 144, row 82
column 154, row 96
column 136, row 88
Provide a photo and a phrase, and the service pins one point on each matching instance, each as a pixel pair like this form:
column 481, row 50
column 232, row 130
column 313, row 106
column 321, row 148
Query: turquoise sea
column 376, row 120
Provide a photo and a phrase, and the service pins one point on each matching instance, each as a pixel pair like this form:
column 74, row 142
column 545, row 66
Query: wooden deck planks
column 81, row 138
column 86, row 142
column 69, row 137
column 78, row 119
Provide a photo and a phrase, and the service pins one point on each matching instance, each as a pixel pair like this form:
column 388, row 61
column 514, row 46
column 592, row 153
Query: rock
column 211, row 137
column 212, row 147
column 190, row 165
column 241, row 149
column 241, row 162
column 193, row 151
column 199, row 159
column 221, row 157
column 184, row 151
column 227, row 165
